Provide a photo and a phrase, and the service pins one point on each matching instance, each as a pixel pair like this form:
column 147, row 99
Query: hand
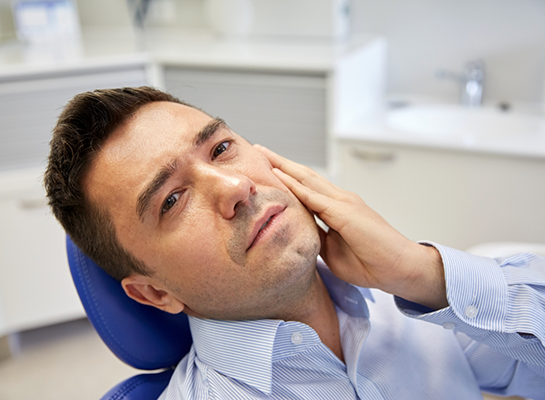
column 361, row 247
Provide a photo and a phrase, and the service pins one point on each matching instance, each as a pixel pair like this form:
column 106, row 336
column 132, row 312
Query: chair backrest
column 141, row 336
column 147, row 386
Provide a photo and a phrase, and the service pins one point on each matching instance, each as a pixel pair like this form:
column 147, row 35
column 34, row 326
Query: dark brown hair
column 82, row 128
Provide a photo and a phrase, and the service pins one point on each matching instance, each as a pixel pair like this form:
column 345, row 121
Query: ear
column 145, row 291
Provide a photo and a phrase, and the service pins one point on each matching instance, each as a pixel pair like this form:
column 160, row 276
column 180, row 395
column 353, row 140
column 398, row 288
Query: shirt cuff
column 477, row 294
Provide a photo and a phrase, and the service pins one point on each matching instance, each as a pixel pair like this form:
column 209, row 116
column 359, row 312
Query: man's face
column 203, row 210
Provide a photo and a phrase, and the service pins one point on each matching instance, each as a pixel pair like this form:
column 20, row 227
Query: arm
column 497, row 309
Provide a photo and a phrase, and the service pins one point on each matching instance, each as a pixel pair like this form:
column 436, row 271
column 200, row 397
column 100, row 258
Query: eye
column 222, row 147
column 169, row 202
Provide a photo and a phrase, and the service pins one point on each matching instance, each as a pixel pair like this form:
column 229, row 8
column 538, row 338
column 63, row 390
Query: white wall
column 183, row 13
column 92, row 13
column 426, row 35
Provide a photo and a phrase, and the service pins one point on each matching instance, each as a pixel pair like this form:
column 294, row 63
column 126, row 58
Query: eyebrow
column 165, row 173
column 208, row 131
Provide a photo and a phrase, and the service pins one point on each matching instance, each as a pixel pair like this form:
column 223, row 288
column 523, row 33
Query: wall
column 427, row 35
column 7, row 29
column 182, row 13
column 91, row 13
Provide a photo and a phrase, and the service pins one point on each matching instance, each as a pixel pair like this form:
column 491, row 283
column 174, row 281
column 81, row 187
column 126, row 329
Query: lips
column 263, row 222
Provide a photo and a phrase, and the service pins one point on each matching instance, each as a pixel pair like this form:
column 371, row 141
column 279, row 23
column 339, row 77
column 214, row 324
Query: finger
column 343, row 262
column 325, row 207
column 292, row 168
column 323, row 237
column 317, row 202
column 275, row 159
column 303, row 174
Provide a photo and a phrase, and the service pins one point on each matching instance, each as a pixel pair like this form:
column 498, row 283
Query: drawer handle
column 31, row 204
column 374, row 156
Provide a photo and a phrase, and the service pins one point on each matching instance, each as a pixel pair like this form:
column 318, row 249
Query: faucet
column 471, row 82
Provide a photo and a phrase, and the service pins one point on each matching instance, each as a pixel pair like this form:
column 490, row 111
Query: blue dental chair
column 141, row 336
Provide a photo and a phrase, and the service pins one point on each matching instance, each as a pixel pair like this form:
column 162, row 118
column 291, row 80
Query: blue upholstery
column 139, row 387
column 141, row 336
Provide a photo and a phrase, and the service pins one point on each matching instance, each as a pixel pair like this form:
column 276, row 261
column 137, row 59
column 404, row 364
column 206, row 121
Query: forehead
column 153, row 132
column 160, row 123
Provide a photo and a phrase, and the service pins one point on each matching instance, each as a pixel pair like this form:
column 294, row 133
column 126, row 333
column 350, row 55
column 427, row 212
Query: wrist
column 423, row 280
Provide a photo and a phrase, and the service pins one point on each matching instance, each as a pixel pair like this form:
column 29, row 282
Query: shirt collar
column 242, row 350
column 245, row 350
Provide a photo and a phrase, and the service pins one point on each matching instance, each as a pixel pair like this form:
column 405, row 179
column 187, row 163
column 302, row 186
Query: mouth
column 264, row 225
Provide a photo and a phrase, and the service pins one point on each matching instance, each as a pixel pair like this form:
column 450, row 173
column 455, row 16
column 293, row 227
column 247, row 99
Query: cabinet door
column 286, row 113
column 35, row 285
column 454, row 198
column 30, row 105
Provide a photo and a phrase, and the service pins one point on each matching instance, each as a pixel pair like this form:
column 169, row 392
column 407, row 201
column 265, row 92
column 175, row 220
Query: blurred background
column 432, row 111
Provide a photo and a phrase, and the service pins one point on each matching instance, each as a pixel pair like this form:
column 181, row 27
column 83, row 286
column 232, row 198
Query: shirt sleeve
column 497, row 309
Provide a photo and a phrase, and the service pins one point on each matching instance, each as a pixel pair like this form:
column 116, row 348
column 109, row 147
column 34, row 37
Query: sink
column 444, row 120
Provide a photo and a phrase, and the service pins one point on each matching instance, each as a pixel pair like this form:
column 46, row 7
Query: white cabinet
column 455, row 198
column 35, row 285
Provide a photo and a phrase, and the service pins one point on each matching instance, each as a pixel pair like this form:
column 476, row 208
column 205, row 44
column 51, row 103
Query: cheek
column 189, row 249
column 181, row 245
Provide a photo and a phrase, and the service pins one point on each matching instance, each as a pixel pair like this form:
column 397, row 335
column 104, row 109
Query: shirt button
column 296, row 338
column 449, row 325
column 471, row 311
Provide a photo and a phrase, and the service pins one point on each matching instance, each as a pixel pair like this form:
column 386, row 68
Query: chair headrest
column 141, row 336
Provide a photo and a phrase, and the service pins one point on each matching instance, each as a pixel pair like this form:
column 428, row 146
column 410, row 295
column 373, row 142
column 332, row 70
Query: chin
column 305, row 253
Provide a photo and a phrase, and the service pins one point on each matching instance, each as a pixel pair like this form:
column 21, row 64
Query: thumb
column 332, row 246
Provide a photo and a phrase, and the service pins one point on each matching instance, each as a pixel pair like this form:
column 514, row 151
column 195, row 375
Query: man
column 192, row 218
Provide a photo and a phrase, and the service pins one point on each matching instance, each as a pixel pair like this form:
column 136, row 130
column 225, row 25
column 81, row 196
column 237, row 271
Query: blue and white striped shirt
column 491, row 337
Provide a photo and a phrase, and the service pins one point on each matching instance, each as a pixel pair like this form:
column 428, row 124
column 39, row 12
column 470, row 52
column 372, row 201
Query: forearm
column 503, row 296
column 425, row 277
column 500, row 306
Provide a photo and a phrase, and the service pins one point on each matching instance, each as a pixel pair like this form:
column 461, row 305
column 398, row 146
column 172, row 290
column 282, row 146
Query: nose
column 227, row 189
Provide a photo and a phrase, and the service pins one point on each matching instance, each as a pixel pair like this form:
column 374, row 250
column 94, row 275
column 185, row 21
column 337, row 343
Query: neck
column 317, row 310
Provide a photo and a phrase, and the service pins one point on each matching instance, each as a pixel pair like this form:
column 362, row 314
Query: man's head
column 83, row 127
column 171, row 202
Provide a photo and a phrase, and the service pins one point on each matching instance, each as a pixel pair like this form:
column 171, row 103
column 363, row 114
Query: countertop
column 374, row 128
column 110, row 47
